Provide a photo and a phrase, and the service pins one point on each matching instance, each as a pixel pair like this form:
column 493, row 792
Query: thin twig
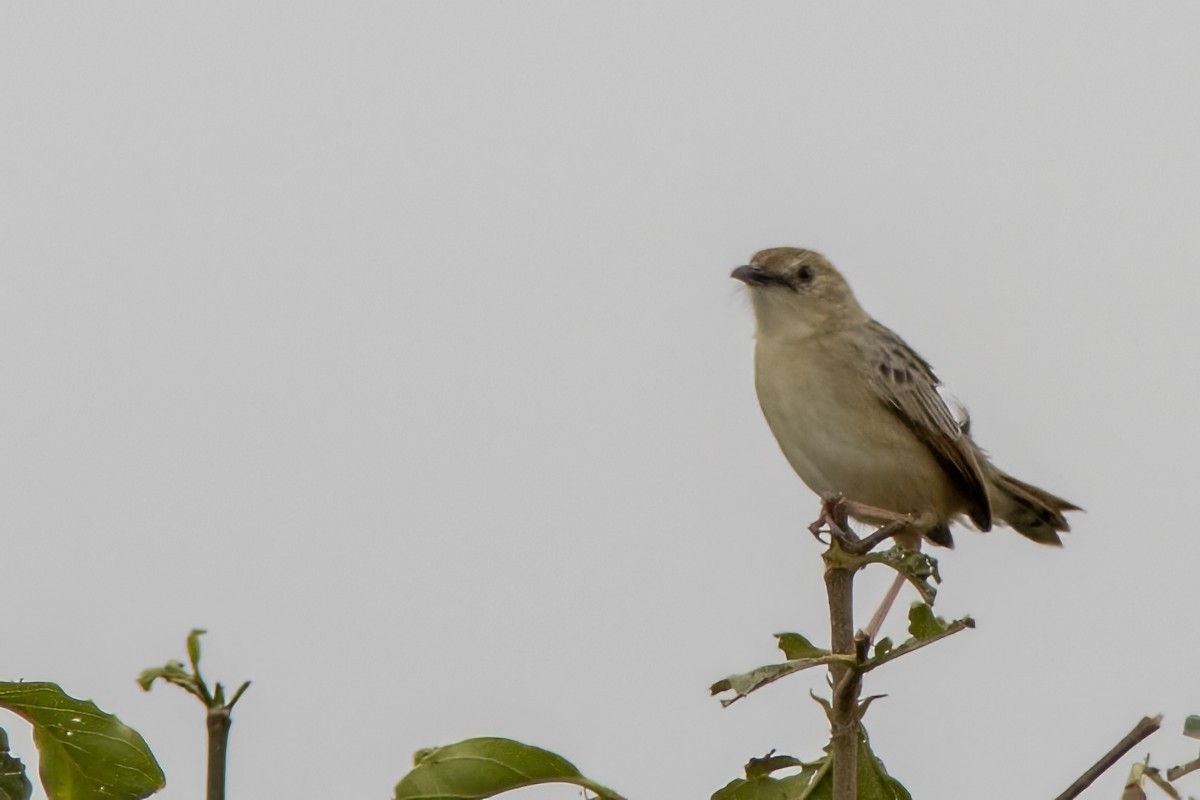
column 1147, row 726
column 1175, row 773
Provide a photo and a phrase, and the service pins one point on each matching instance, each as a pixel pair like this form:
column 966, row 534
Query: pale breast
column 836, row 434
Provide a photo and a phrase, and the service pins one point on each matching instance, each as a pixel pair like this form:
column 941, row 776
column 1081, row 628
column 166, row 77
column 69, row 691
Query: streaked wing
column 906, row 385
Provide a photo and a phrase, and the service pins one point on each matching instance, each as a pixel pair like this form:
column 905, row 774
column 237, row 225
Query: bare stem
column 218, row 743
column 843, row 718
column 1147, row 726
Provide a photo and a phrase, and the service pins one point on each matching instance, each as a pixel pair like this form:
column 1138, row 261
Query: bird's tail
column 1032, row 512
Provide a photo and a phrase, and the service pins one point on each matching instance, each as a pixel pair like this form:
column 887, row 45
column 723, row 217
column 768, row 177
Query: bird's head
column 797, row 293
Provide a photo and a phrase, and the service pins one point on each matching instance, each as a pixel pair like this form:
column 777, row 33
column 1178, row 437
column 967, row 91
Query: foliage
column 83, row 753
column 484, row 767
column 813, row 781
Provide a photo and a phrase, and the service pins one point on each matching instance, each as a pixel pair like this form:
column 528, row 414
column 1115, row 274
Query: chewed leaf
column 922, row 623
column 84, row 752
column 747, row 682
column 477, row 768
column 920, row 569
column 764, row 787
column 14, row 783
column 795, row 646
column 759, row 767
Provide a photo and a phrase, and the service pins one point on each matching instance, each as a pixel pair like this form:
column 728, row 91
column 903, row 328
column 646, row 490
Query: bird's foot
column 834, row 520
column 836, row 512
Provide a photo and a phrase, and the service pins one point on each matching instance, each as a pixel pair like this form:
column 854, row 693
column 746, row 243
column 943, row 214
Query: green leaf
column 883, row 647
column 795, row 646
column 747, row 682
column 919, row 568
column 825, row 705
column 85, row 753
column 759, row 785
column 758, row 767
column 193, row 648
column 874, row 782
column 1191, row 727
column 171, row 672
column 922, row 624
column 485, row 767
column 815, row 780
column 14, row 784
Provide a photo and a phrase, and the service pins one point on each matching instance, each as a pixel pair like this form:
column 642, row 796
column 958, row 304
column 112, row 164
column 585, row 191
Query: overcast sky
column 394, row 343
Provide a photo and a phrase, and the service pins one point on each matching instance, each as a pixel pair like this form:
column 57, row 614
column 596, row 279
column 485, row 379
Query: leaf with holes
column 747, row 682
column 919, row 569
column 85, row 753
column 764, row 787
column 477, row 768
column 759, row 785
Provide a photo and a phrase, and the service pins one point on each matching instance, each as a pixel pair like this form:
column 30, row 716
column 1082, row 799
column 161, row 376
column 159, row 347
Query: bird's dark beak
column 755, row 276
column 747, row 274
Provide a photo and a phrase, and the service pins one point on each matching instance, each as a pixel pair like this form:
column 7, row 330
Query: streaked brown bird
column 856, row 411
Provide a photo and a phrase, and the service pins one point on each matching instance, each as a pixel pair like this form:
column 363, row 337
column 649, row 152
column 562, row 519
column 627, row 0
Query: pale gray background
column 395, row 344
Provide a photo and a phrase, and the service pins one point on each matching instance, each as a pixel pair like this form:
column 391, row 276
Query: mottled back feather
column 906, row 386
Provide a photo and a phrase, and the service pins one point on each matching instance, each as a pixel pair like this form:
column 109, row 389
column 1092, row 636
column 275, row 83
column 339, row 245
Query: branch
column 1175, row 773
column 1147, row 726
column 917, row 644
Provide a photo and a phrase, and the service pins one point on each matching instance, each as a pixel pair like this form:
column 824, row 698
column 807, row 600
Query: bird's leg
column 901, row 524
column 864, row 511
column 836, row 511
column 894, row 524
column 884, row 607
column 914, row 523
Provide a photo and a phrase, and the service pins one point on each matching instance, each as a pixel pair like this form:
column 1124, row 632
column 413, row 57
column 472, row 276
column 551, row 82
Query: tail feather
column 1032, row 512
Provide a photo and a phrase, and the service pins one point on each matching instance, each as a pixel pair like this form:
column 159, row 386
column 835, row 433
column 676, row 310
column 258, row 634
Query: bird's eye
column 804, row 274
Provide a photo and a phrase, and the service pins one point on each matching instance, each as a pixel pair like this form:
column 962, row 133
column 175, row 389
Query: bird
column 858, row 413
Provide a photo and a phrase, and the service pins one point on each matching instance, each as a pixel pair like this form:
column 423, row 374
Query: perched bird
column 856, row 411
